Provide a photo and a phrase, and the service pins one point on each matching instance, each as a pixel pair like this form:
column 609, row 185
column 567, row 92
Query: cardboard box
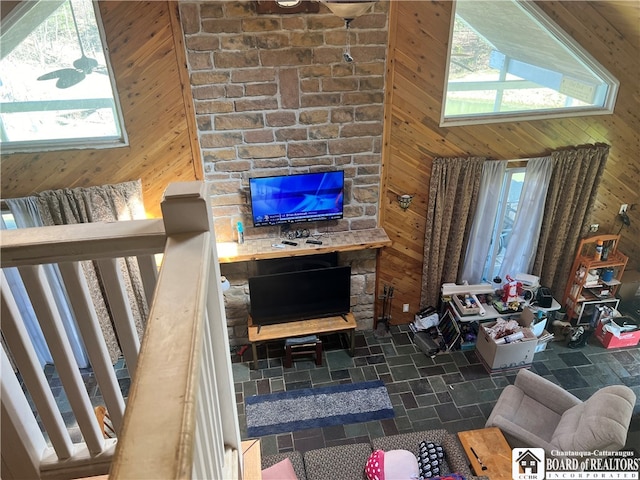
column 542, row 343
column 540, row 347
column 499, row 357
column 528, row 319
column 609, row 340
column 458, row 300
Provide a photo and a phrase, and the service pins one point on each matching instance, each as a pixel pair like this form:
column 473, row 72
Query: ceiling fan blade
column 56, row 74
column 70, row 79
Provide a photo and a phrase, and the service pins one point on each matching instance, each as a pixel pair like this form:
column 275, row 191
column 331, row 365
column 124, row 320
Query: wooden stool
column 308, row 345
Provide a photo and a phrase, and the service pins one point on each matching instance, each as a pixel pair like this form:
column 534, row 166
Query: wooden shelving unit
column 581, row 289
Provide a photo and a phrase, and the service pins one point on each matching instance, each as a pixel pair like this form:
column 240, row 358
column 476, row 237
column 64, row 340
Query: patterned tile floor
column 451, row 391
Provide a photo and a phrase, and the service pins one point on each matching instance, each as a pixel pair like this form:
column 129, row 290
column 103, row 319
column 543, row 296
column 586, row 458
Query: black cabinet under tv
column 295, row 264
column 298, row 288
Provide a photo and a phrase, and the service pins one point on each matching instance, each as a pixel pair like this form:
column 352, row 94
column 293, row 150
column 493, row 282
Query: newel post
column 185, row 208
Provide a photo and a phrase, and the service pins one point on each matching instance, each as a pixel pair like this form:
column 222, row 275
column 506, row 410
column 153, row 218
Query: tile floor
column 451, row 391
column 90, row 382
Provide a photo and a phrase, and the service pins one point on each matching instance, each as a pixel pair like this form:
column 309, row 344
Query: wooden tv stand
column 300, row 328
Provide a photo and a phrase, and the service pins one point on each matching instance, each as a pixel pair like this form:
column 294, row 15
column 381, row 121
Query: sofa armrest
column 517, row 436
column 545, row 392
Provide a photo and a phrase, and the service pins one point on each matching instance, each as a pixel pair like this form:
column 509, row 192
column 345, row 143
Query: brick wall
column 273, row 95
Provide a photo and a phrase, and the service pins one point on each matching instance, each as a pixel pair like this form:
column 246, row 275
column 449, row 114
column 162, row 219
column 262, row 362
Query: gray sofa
column 347, row 462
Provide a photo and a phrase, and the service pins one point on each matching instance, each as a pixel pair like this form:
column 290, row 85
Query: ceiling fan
column 68, row 77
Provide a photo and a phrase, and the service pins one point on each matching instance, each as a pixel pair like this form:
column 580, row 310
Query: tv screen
column 303, row 197
column 317, row 293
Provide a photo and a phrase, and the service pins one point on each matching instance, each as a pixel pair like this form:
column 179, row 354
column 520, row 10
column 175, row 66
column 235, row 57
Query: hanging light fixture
column 286, row 7
column 348, row 10
column 288, row 3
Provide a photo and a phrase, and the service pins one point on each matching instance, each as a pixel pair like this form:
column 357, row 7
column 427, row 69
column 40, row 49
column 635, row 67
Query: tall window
column 506, row 225
column 56, row 91
column 504, row 220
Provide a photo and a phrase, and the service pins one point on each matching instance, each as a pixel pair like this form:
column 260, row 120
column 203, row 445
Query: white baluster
column 89, row 326
column 123, row 319
column 21, row 455
column 149, row 273
column 18, row 341
column 43, row 303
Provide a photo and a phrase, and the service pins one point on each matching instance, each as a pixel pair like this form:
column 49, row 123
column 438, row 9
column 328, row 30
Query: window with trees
column 56, row 87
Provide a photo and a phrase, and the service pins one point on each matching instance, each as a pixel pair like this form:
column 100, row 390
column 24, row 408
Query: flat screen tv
column 300, row 295
column 296, row 198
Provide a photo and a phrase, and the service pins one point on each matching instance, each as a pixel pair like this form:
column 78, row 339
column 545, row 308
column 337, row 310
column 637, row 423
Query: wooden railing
column 180, row 419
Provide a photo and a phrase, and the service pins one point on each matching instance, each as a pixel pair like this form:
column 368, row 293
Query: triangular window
column 56, row 89
column 509, row 61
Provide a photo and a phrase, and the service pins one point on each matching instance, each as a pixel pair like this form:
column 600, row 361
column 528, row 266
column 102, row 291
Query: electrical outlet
column 594, row 227
column 405, row 307
column 623, row 208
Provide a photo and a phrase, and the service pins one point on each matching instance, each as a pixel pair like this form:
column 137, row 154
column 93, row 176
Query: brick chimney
column 273, row 95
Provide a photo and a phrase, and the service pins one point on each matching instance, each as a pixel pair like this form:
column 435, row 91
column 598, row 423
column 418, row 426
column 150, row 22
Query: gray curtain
column 577, row 172
column 106, row 203
column 26, row 215
column 453, row 193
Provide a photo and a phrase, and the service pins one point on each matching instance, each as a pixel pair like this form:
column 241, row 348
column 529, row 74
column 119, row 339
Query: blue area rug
column 317, row 407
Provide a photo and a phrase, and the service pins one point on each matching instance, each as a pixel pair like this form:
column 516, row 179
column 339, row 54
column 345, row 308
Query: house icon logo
column 527, row 463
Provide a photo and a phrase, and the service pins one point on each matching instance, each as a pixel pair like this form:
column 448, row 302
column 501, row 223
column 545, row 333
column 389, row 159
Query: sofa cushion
column 392, row 465
column 344, row 462
column 294, row 457
column 282, row 470
column 455, row 459
column 601, row 422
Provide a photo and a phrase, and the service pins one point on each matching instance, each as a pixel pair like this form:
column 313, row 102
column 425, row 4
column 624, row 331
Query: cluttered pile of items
column 433, row 334
column 614, row 330
column 500, row 343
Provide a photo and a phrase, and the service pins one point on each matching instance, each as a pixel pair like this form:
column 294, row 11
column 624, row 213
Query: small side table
column 314, row 326
column 308, row 345
column 487, row 448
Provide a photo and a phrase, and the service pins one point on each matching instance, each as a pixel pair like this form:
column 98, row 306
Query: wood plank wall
column 418, row 38
column 148, row 58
